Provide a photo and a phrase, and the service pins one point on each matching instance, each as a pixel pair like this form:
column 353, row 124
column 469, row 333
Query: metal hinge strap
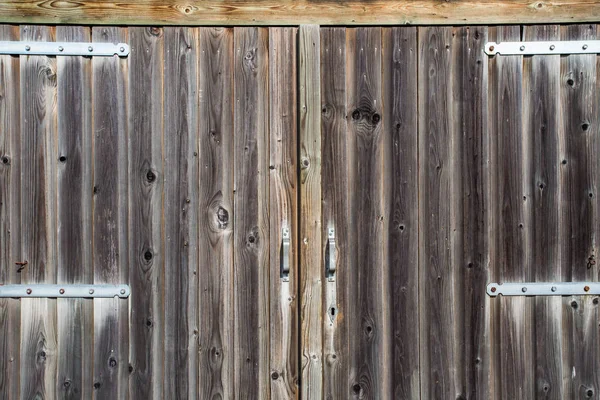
column 67, row 291
column 540, row 48
column 64, row 49
column 285, row 255
column 543, row 289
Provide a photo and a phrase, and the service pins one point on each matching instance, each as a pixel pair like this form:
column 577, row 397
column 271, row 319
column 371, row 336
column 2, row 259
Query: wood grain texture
column 283, row 212
column 335, row 181
column 440, row 231
column 511, row 222
column 251, row 214
column 10, row 217
column 38, row 212
column 370, row 341
column 289, row 12
column 74, row 218
column 110, row 217
column 541, row 124
column 181, row 212
column 472, row 256
column 579, row 177
column 310, row 261
column 400, row 173
column 146, row 186
column 216, row 179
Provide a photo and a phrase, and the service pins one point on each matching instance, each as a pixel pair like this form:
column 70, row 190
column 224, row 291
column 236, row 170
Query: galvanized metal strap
column 541, row 48
column 67, row 291
column 64, row 49
column 285, row 255
column 543, row 289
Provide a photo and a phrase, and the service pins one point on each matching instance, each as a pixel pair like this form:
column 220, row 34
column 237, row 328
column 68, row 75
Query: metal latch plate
column 541, row 48
column 543, row 289
column 64, row 49
column 67, row 291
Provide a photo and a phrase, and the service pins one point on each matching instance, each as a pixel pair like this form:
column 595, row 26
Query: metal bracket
column 539, row 48
column 285, row 255
column 330, row 268
column 64, row 49
column 543, row 289
column 67, row 291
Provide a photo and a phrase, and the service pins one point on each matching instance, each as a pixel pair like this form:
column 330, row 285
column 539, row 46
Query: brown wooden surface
column 74, row 205
column 293, row 12
column 39, row 356
column 110, row 193
column 310, row 261
column 283, row 183
column 251, row 214
column 146, row 188
column 10, row 217
column 181, row 215
column 215, row 327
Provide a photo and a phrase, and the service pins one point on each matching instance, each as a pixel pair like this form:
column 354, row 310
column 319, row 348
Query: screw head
column 61, row 291
column 122, row 291
column 90, row 49
column 28, row 291
column 60, row 48
column 91, row 291
column 553, row 288
column 524, row 289
column 586, row 288
column 493, row 289
column 522, row 48
column 122, row 49
column 552, row 47
column 27, row 48
column 492, row 48
column 584, row 47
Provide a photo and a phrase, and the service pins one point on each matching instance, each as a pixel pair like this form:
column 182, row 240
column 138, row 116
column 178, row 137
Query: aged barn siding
column 176, row 169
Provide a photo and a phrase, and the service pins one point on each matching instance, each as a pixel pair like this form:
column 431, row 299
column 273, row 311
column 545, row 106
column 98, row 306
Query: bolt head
column 552, row 47
column 522, row 48
column 60, row 48
column 122, row 49
column 493, row 289
column 27, row 48
column 90, row 49
column 553, row 288
column 28, row 291
column 492, row 48
column 524, row 289
column 91, row 291
column 584, row 47
column 586, row 288
column 61, row 291
column 122, row 291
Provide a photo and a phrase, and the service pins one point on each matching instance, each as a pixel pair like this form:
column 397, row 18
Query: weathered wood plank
column 146, row 183
column 181, row 212
column 401, row 185
column 310, row 261
column 216, row 268
column 74, row 203
column 541, row 123
column 251, row 214
column 110, row 217
column 370, row 342
column 10, row 217
column 440, row 233
column 579, row 212
column 293, row 12
column 38, row 213
column 510, row 223
column 334, row 142
column 472, row 189
column 283, row 212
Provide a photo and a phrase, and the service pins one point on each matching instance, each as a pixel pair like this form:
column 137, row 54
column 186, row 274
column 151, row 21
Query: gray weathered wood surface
column 175, row 169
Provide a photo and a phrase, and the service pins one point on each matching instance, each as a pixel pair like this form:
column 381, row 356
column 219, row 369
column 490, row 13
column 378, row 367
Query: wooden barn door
column 440, row 169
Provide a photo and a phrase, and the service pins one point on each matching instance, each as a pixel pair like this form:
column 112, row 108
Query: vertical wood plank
column 401, row 185
column 310, row 261
column 440, row 233
column 216, row 141
column 180, row 212
column 146, row 183
column 334, row 144
column 370, row 342
column 74, row 203
column 10, row 216
column 38, row 213
column 110, row 216
column 470, row 148
column 251, row 213
column 579, row 213
column 541, row 123
column 283, row 212
column 510, row 222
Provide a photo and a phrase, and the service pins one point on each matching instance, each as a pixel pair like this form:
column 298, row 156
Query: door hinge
column 543, row 48
column 64, row 49
column 543, row 289
column 67, row 291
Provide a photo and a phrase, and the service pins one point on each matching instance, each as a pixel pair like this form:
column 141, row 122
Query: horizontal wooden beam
column 295, row 12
